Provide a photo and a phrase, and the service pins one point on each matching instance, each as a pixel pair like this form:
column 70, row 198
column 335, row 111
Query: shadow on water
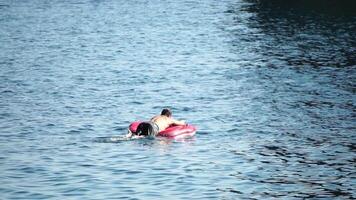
column 306, row 7
column 303, row 33
column 304, row 64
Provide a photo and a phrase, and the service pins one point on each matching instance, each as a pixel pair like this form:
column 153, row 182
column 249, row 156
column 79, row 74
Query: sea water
column 270, row 87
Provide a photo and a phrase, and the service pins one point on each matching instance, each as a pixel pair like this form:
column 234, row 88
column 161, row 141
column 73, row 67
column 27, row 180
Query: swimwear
column 147, row 129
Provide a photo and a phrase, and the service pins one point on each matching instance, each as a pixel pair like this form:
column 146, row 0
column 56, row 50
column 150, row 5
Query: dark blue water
column 271, row 88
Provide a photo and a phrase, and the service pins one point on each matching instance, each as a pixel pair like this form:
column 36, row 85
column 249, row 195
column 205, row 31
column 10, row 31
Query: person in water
column 156, row 124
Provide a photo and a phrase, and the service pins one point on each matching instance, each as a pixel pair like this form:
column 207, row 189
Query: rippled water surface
column 271, row 88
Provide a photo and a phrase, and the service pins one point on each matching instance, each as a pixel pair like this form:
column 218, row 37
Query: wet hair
column 145, row 129
column 166, row 112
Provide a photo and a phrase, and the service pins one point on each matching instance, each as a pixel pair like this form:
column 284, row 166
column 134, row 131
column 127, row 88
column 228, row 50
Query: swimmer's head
column 166, row 112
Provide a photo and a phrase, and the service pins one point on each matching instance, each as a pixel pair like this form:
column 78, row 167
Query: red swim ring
column 170, row 132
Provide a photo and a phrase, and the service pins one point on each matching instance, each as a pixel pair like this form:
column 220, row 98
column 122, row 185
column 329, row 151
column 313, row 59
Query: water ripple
column 270, row 85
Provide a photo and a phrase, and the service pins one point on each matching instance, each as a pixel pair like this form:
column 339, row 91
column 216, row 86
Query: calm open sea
column 270, row 86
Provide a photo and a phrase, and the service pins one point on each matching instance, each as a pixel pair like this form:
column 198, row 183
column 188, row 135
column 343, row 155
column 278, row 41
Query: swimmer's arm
column 129, row 134
column 178, row 122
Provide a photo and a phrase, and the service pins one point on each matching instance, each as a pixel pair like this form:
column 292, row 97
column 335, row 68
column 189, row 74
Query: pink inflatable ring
column 170, row 132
